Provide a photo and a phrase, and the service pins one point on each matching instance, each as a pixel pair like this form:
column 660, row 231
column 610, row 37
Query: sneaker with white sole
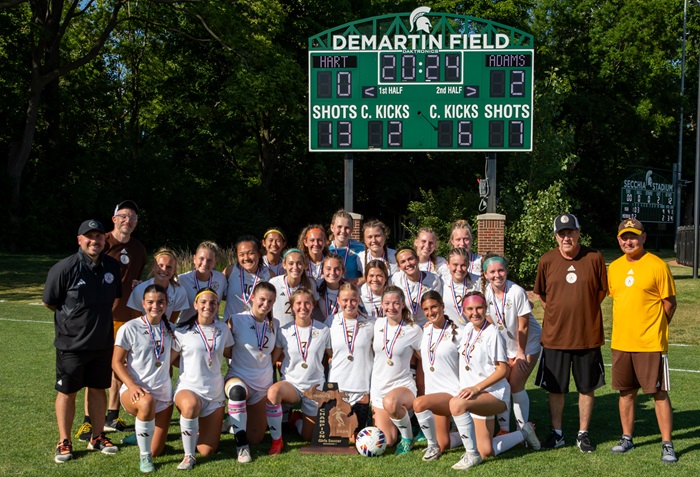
column 554, row 440
column 530, row 436
column 583, row 442
column 118, row 425
column 146, row 465
column 244, row 454
column 432, row 452
column 668, row 455
column 623, row 446
column 103, row 444
column 469, row 459
column 187, row 463
column 64, row 451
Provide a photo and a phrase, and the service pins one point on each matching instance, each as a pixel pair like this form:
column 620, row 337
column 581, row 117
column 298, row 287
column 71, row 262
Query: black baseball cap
column 127, row 204
column 90, row 225
column 566, row 221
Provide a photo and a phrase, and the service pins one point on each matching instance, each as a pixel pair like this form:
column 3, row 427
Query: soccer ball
column 370, row 442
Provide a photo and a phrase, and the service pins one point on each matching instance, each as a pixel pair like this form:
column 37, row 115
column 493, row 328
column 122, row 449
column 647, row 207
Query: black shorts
column 83, row 369
column 556, row 365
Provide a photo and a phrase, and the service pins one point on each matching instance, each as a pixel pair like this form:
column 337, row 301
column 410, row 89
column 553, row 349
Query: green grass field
column 28, row 429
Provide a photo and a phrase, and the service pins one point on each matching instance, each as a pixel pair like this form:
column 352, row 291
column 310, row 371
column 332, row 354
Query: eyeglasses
column 128, row 217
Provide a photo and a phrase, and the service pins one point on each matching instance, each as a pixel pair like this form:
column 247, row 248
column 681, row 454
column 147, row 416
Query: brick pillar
column 491, row 233
column 356, row 226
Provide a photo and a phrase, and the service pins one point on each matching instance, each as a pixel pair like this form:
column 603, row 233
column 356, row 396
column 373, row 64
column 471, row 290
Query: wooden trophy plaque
column 334, row 425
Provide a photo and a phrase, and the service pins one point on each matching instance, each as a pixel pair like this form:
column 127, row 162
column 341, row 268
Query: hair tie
column 291, row 250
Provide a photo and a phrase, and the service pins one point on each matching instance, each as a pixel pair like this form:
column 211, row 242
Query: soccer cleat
column 146, row 464
column 187, row 463
column 130, row 440
column 64, row 451
column 468, row 460
column 403, row 447
column 554, row 441
column 84, row 432
column 419, row 438
column 584, row 443
column 623, row 446
column 103, row 444
column 668, row 455
column 276, row 447
column 530, row 436
column 244, row 454
column 432, row 452
column 118, row 425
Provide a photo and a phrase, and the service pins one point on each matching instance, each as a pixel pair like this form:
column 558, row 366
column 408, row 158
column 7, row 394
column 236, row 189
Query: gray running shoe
column 623, row 446
column 668, row 455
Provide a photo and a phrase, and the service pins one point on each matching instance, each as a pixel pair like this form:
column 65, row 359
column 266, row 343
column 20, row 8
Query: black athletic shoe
column 553, row 441
column 584, row 442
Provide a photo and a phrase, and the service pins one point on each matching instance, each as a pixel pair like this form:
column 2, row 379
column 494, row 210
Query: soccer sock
column 189, row 428
column 274, row 420
column 504, row 418
column 426, row 419
column 465, row 425
column 507, row 441
column 239, row 418
column 404, row 426
column 112, row 414
column 521, row 408
column 144, row 434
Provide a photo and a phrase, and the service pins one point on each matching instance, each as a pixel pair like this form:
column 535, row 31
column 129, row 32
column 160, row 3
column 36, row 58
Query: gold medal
column 350, row 358
column 210, row 363
column 304, row 365
column 389, row 362
column 467, row 368
column 432, row 368
column 500, row 328
column 260, row 355
column 158, row 364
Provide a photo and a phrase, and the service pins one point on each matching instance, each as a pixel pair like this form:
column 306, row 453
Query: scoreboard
column 433, row 90
column 647, row 197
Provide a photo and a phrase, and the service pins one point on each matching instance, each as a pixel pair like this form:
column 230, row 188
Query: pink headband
column 476, row 299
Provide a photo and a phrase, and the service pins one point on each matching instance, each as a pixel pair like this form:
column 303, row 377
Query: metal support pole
column 696, row 207
column 347, row 204
column 491, row 178
column 677, row 176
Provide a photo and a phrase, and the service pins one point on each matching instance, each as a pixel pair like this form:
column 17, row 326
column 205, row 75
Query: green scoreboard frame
column 417, row 82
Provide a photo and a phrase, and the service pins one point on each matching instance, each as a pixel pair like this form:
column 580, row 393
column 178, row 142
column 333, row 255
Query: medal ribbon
column 467, row 351
column 351, row 342
column 259, row 336
column 458, row 305
column 196, row 281
column 330, row 312
column 432, row 352
column 414, row 304
column 210, row 349
column 246, row 298
column 302, row 352
column 389, row 348
column 500, row 315
column 157, row 350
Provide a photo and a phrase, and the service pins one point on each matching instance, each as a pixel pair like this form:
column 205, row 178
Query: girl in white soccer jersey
column 204, row 343
column 164, row 274
column 396, row 340
column 295, row 277
column 414, row 282
column 510, row 311
column 304, row 342
column 141, row 361
column 440, row 356
column 247, row 272
column 351, row 340
column 461, row 237
column 457, row 284
column 374, row 234
column 484, row 389
column 203, row 275
column 344, row 246
column 425, row 244
column 313, row 243
column 249, row 375
column 376, row 280
column 273, row 243
column 333, row 272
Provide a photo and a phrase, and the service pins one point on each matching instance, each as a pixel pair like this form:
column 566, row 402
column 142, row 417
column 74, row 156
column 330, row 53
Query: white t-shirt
column 414, row 291
column 429, row 267
column 276, row 270
column 386, row 377
column 282, row 309
column 372, row 303
column 314, row 340
column 177, row 298
column 389, row 260
column 195, row 373
column 136, row 337
column 474, row 268
column 516, row 304
column 249, row 362
column 240, row 289
column 453, row 294
column 480, row 352
column 189, row 283
column 351, row 375
column 442, row 374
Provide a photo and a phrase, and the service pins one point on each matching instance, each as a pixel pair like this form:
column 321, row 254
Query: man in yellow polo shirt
column 644, row 300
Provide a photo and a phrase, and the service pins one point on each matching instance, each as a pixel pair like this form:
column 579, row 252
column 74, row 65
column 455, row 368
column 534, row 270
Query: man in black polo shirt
column 80, row 290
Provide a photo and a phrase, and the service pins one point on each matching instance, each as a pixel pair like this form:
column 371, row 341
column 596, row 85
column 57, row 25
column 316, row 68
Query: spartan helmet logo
column 650, row 182
column 418, row 21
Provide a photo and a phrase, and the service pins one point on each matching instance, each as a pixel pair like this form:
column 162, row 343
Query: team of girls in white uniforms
column 273, row 244
column 202, row 276
column 375, row 234
column 396, row 340
column 376, row 281
column 199, row 394
column 248, row 271
column 294, row 278
column 164, row 274
column 250, row 373
column 457, row 284
column 141, row 361
column 414, row 282
column 510, row 311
